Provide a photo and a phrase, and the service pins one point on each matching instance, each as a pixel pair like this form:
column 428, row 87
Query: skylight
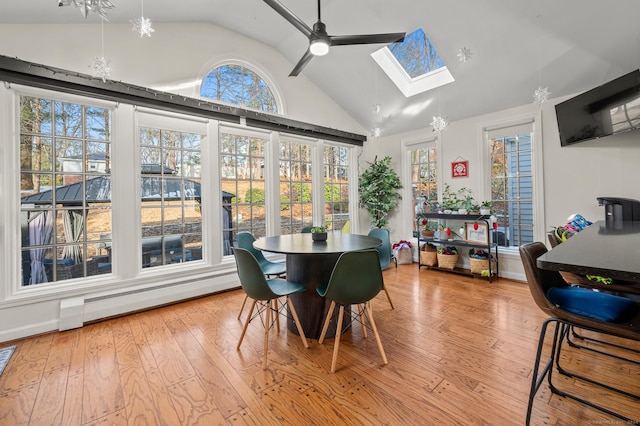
column 413, row 65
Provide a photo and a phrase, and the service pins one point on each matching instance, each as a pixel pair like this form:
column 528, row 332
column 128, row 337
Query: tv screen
column 611, row 108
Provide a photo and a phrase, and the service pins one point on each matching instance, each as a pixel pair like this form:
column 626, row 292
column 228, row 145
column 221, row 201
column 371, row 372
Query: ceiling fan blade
column 289, row 16
column 301, row 63
column 366, row 39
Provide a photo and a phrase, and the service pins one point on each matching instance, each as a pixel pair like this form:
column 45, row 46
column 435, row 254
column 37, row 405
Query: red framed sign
column 459, row 169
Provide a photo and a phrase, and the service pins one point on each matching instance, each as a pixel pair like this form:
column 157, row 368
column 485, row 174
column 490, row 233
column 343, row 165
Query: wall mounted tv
column 611, row 108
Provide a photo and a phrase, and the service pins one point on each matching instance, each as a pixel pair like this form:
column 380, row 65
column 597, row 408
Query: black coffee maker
column 620, row 209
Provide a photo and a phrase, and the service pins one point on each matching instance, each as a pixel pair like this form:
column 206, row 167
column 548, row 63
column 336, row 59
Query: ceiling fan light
column 319, row 47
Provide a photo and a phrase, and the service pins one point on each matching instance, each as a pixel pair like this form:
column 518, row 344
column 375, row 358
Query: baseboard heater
column 76, row 311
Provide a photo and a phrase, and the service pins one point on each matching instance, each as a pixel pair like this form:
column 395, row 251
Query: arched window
column 237, row 85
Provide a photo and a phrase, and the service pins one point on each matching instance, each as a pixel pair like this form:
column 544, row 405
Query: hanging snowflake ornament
column 96, row 6
column 541, row 95
column 142, row 26
column 438, row 124
column 376, row 132
column 101, row 68
column 464, row 54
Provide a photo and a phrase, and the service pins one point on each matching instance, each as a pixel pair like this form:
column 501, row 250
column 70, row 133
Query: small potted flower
column 319, row 233
column 485, row 207
column 429, row 227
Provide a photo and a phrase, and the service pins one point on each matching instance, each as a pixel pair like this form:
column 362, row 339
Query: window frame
column 535, row 120
column 163, row 205
column 408, row 145
column 313, row 147
column 10, row 212
column 255, row 68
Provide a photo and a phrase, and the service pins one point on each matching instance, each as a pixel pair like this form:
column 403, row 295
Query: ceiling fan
column 320, row 41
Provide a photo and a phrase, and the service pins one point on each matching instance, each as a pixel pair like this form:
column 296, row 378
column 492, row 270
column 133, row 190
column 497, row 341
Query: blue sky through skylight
column 416, row 54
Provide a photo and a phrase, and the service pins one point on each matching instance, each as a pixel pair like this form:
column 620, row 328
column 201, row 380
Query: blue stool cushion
column 589, row 303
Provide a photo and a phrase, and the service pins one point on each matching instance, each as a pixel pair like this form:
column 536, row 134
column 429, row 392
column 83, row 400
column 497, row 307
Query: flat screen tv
column 611, row 108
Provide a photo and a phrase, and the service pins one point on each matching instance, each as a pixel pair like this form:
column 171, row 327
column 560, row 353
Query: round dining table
column 311, row 263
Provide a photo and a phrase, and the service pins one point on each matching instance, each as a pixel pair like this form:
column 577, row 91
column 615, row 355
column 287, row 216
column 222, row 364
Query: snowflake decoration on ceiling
column 101, row 68
column 142, row 26
column 438, row 123
column 97, row 6
column 464, row 54
column 376, row 132
column 541, row 95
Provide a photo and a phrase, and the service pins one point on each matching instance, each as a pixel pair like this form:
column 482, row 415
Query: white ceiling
column 566, row 45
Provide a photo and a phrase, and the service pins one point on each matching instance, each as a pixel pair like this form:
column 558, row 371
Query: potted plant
column 460, row 201
column 447, row 233
column 319, row 233
column 450, row 201
column 378, row 188
column 428, row 227
column 485, row 207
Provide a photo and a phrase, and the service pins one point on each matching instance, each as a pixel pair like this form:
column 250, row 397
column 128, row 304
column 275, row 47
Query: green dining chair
column 384, row 252
column 306, row 229
column 264, row 293
column 245, row 240
column 355, row 280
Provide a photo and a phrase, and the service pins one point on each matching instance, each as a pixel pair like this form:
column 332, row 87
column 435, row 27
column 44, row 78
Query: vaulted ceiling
column 568, row 46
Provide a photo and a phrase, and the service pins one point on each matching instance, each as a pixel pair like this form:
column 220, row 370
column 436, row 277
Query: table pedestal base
column 312, row 270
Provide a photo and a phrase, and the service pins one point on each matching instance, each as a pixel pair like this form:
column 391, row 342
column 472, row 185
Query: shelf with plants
column 447, row 237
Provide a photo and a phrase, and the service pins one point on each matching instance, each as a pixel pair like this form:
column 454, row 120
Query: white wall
column 174, row 59
column 574, row 176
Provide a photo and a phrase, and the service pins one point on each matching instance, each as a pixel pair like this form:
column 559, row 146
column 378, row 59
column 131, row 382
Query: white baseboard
column 66, row 314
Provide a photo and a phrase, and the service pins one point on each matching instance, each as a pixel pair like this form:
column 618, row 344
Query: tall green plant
column 379, row 187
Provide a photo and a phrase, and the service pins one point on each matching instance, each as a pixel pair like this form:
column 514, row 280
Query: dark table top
column 303, row 244
column 608, row 249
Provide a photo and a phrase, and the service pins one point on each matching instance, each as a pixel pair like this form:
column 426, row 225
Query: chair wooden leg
column 336, row 345
column 326, row 322
column 266, row 336
column 246, row 324
column 362, row 318
column 244, row 301
column 388, row 297
column 275, row 309
column 367, row 308
column 294, row 314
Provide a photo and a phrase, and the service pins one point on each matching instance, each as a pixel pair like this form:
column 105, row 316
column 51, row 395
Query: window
column 336, row 186
column 242, row 162
column 65, row 190
column 170, row 196
column 296, row 206
column 512, row 183
column 413, row 64
column 424, row 178
column 237, row 85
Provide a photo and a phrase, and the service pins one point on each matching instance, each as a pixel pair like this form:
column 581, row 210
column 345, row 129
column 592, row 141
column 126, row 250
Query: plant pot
column 462, row 211
column 319, row 236
column 428, row 233
column 484, row 211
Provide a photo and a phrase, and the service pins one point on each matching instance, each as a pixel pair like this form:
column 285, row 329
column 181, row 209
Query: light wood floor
column 460, row 352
